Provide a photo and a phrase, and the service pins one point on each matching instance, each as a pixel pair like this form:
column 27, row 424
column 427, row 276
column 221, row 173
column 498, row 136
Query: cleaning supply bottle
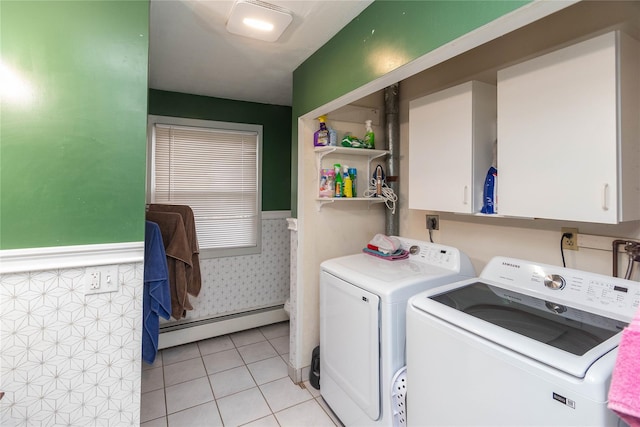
column 321, row 136
column 327, row 182
column 353, row 174
column 339, row 182
column 333, row 136
column 369, row 137
column 348, row 184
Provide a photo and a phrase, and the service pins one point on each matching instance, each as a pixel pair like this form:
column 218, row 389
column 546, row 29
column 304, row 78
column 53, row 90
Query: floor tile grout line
column 186, row 381
column 208, row 377
column 213, row 399
column 194, row 406
column 164, row 391
column 256, row 329
column 259, row 390
column 245, row 361
column 213, row 396
column 180, row 361
column 261, row 418
column 283, row 409
column 272, row 412
column 289, row 407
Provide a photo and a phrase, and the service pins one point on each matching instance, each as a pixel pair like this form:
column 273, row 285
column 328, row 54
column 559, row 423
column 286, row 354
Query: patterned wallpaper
column 235, row 284
column 72, row 360
column 68, row 359
column 293, row 315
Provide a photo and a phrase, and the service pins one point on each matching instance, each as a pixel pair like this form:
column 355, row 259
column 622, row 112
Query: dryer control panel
column 432, row 253
column 614, row 296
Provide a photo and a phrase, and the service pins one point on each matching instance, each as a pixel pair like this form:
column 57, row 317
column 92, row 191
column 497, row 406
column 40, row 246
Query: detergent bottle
column 348, row 184
column 339, row 183
column 369, row 137
column 353, row 174
column 321, row 136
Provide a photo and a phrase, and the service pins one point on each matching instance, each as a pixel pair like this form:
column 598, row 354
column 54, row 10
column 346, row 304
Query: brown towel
column 194, row 280
column 179, row 263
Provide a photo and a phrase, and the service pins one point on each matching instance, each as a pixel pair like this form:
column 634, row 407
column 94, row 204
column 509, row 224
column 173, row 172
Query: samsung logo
column 565, row 401
column 508, row 264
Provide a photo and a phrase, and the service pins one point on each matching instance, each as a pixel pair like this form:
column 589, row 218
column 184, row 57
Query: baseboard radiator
column 172, row 335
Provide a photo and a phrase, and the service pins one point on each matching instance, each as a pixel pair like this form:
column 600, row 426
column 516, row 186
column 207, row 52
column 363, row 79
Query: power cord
column 390, row 198
column 431, row 225
column 564, row 236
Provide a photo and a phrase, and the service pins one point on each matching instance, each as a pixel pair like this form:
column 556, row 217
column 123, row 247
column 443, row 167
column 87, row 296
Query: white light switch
column 101, row 279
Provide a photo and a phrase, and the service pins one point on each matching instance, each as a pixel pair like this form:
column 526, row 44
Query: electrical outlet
column 101, row 279
column 93, row 280
column 570, row 243
column 433, row 222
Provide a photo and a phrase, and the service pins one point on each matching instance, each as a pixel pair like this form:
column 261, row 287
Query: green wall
column 276, row 138
column 386, row 35
column 72, row 154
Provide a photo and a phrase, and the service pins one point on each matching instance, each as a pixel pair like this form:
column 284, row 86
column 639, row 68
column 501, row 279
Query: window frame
column 208, row 253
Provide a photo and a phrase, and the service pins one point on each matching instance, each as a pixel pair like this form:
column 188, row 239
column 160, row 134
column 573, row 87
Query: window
column 213, row 167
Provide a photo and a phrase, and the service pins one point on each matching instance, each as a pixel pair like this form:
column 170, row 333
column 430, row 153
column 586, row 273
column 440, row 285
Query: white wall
column 537, row 240
column 334, row 230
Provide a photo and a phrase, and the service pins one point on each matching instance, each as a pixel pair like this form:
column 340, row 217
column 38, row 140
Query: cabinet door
column 451, row 134
column 558, row 134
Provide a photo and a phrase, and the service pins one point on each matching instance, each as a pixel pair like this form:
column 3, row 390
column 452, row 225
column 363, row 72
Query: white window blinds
column 216, row 172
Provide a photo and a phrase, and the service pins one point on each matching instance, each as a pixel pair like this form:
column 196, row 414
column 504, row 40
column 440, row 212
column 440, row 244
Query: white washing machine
column 363, row 303
column 524, row 344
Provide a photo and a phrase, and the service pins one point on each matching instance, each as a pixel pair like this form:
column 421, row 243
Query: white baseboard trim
column 220, row 327
column 299, row 375
column 35, row 259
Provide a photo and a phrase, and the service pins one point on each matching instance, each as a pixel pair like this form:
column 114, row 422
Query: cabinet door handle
column 605, row 197
column 465, row 199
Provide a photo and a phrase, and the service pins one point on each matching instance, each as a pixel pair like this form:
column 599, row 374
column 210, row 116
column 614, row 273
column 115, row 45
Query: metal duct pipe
column 392, row 136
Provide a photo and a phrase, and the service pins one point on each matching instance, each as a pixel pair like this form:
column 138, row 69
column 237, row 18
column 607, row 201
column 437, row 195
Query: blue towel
column 156, row 299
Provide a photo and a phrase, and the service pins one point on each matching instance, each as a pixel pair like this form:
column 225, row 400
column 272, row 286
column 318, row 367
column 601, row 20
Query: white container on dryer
column 363, row 302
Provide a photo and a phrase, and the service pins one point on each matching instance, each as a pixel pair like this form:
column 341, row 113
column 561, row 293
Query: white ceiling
column 191, row 52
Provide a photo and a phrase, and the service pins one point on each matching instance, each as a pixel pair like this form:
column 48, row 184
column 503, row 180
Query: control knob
column 554, row 281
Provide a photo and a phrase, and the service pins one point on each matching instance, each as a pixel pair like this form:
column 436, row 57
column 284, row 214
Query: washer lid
column 391, row 280
column 555, row 334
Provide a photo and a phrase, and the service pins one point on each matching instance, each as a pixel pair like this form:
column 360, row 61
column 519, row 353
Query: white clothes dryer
column 524, row 344
column 363, row 303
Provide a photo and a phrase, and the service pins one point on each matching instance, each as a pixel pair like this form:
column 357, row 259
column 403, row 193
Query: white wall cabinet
column 568, row 128
column 451, row 139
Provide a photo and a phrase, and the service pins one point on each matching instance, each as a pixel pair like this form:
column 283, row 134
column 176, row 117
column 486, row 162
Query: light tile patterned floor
column 233, row 380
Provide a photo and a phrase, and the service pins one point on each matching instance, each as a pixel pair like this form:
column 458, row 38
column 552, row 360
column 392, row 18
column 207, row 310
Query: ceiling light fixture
column 258, row 24
column 258, row 20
